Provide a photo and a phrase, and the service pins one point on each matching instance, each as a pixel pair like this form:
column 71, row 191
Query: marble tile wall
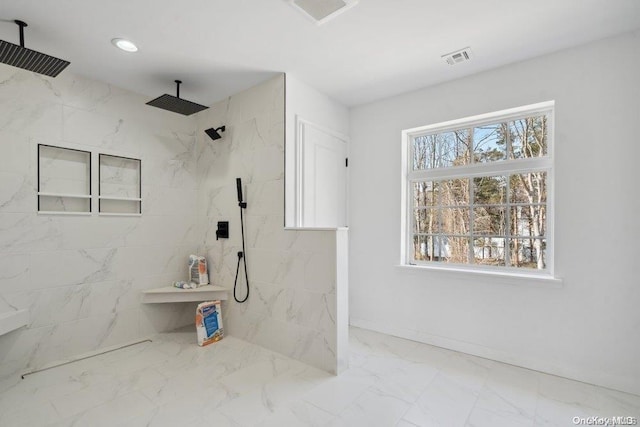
column 81, row 276
column 292, row 303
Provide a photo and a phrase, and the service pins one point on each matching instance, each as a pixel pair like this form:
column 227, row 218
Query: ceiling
column 377, row 49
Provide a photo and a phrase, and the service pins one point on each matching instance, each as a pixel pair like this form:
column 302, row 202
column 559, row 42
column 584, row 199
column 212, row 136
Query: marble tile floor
column 391, row 382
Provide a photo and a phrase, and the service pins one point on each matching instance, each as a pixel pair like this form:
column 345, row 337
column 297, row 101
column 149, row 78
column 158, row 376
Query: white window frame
column 501, row 167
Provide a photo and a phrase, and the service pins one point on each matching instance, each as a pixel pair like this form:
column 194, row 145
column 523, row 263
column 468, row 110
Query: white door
column 323, row 192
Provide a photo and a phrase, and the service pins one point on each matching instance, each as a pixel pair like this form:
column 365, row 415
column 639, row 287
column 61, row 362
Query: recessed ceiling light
column 125, row 45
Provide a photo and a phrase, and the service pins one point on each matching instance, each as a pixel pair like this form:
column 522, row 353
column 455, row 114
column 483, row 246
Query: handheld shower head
column 239, row 188
column 241, row 201
column 213, row 133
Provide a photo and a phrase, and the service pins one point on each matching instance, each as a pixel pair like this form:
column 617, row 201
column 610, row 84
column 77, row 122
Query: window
column 478, row 192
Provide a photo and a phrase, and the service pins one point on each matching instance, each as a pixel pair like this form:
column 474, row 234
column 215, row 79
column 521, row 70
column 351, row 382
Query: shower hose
column 241, row 257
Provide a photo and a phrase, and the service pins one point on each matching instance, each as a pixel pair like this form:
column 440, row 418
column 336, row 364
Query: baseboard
column 627, row 385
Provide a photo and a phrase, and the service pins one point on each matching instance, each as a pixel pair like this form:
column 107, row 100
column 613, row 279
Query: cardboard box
column 209, row 322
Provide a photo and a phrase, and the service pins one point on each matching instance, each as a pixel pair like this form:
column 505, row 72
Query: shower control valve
column 223, row 230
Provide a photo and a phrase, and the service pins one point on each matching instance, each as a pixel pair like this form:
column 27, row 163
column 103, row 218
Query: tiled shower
column 80, row 276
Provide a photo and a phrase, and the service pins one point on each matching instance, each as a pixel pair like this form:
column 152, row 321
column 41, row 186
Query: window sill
column 496, row 276
column 315, row 228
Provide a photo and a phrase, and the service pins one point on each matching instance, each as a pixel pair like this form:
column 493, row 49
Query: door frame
column 301, row 124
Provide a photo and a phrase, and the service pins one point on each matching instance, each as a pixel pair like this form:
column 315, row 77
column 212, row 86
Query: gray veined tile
column 89, row 265
column 286, row 389
column 14, row 272
column 10, row 382
column 143, row 418
column 372, row 408
column 115, row 411
column 25, row 233
column 33, row 117
column 220, row 419
column 171, row 381
column 445, row 402
column 617, row 402
column 236, row 409
column 298, row 413
column 82, row 400
column 503, row 407
column 84, row 93
column 32, row 416
column 466, row 369
column 552, row 413
column 17, row 155
column 369, row 342
column 251, row 378
column 22, row 397
column 21, row 84
column 180, row 385
column 404, row 379
column 17, row 192
column 335, row 394
column 482, row 417
column 20, row 350
column 184, row 410
column 510, row 392
column 267, row 198
column 568, row 392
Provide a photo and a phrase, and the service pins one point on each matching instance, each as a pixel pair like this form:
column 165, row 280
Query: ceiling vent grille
column 321, row 11
column 459, row 56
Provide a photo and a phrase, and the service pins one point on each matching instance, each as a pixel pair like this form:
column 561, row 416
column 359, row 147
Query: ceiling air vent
column 462, row 55
column 322, row 11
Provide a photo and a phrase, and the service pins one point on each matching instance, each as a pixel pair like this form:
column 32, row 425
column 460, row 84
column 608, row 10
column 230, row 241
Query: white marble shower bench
column 13, row 320
column 173, row 294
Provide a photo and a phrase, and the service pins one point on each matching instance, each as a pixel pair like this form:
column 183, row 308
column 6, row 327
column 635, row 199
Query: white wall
column 588, row 328
column 80, row 277
column 307, row 103
column 292, row 303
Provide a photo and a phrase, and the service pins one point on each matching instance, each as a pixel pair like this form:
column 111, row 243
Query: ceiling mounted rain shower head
column 31, row 60
column 213, row 133
column 175, row 104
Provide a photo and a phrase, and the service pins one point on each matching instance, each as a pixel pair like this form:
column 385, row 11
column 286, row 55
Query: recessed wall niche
column 119, row 185
column 64, row 180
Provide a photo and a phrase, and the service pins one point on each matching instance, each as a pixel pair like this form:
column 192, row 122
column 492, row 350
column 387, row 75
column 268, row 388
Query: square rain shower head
column 176, row 105
column 31, row 60
column 213, row 133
